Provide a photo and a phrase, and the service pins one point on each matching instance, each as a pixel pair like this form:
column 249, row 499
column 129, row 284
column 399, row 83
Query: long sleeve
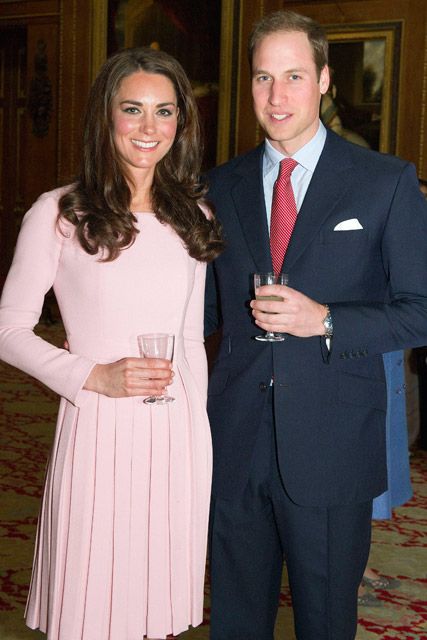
column 400, row 321
column 193, row 331
column 32, row 274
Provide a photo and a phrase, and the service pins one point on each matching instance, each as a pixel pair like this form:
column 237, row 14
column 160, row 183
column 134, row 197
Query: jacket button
column 262, row 386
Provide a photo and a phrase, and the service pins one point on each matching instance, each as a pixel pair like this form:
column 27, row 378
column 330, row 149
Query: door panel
column 13, row 74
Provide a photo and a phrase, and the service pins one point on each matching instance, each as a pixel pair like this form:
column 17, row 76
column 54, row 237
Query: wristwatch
column 327, row 323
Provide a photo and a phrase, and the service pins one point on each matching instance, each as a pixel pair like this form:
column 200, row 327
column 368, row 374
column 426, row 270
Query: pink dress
column 121, row 541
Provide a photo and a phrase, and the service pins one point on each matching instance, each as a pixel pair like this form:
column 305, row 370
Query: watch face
column 327, row 323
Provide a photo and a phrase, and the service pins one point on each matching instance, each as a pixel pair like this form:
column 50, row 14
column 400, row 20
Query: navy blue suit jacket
column 329, row 405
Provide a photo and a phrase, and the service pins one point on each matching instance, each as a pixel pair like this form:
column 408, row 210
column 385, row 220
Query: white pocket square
column 348, row 225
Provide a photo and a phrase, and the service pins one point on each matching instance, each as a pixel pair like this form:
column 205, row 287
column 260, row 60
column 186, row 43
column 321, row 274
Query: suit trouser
column 325, row 550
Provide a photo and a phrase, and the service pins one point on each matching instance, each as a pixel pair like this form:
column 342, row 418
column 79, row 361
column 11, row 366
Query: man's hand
column 296, row 314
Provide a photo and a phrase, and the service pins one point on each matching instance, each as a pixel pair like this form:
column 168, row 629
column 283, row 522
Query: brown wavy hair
column 98, row 202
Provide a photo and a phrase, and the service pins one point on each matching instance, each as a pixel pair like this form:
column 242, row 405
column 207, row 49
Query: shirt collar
column 308, row 156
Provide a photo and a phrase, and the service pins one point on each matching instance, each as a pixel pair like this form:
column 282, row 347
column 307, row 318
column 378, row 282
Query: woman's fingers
column 131, row 377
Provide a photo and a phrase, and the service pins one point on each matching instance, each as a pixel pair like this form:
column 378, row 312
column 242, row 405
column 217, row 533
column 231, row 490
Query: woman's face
column 145, row 118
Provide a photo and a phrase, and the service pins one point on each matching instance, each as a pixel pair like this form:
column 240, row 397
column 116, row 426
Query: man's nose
column 277, row 92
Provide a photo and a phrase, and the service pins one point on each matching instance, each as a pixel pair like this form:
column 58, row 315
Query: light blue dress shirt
column 307, row 158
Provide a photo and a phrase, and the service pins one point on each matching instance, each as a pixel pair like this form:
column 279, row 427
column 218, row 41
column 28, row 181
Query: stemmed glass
column 261, row 279
column 156, row 345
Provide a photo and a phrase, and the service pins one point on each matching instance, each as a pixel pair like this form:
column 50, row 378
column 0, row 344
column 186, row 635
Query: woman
column 399, row 488
column 121, row 541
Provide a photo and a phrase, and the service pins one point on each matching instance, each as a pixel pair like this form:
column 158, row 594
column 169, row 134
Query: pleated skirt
column 121, row 541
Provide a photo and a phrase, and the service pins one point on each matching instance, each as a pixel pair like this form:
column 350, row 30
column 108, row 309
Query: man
column 298, row 425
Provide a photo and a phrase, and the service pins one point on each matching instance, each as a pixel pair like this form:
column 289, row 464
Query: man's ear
column 324, row 79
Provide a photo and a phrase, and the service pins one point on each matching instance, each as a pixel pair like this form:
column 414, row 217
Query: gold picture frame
column 365, row 60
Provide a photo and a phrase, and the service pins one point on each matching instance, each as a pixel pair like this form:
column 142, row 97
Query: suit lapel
column 330, row 180
column 248, row 197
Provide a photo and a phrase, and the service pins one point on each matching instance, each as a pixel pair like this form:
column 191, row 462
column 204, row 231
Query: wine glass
column 156, row 345
column 261, row 279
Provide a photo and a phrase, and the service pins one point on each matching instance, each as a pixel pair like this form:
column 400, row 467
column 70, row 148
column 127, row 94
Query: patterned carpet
column 27, row 416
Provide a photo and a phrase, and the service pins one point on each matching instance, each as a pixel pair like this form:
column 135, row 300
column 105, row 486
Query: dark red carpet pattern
column 27, row 418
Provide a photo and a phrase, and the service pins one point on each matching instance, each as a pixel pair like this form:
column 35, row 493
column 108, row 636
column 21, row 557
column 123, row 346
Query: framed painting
column 189, row 31
column 204, row 36
column 363, row 97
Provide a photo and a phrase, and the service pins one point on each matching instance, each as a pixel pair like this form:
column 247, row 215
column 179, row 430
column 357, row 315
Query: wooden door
column 13, row 84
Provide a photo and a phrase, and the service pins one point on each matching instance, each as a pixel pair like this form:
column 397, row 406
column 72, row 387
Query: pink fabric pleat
column 120, row 541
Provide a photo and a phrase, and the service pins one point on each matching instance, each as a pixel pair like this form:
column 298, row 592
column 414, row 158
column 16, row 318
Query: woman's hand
column 131, row 377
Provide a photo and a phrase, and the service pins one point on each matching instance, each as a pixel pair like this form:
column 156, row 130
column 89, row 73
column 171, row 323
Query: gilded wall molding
column 16, row 18
column 60, row 90
column 73, row 85
column 99, row 35
column 259, row 133
column 229, row 78
column 70, row 86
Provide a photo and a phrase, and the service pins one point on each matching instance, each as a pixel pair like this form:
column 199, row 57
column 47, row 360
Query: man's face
column 286, row 91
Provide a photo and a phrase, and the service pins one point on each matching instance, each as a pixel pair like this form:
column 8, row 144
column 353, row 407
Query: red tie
column 283, row 213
